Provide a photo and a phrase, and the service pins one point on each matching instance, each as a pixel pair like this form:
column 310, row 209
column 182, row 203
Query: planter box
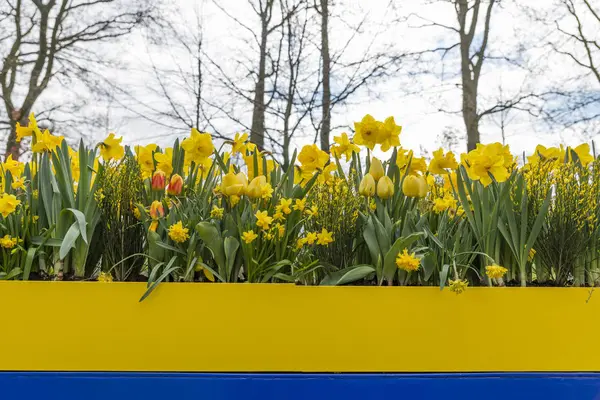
column 233, row 328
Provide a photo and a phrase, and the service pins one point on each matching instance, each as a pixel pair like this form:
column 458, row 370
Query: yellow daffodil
column 407, row 262
column 216, row 212
column 343, row 146
column 18, row 183
column 263, row 220
column 105, row 277
column 111, row 149
column 312, row 158
column 327, row 174
column 8, row 242
column 389, row 134
column 367, row 132
column 280, row 229
column 198, row 147
column 286, row 205
column 313, row 211
column 15, row 167
column 495, row 271
column 442, row 204
column 300, row 243
column 164, row 161
column 46, row 142
column 302, row 176
column 238, row 145
column 266, row 191
column 485, row 162
column 441, row 163
column 311, row 237
column 299, row 204
column 29, row 130
column 145, row 159
column 324, row 237
column 8, row 204
column 178, row 233
column 458, row 286
column 583, row 153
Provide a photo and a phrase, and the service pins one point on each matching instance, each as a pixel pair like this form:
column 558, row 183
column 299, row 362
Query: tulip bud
column 159, row 181
column 385, row 188
column 414, row 186
column 367, row 186
column 175, row 185
column 157, row 210
column 376, row 169
column 254, row 189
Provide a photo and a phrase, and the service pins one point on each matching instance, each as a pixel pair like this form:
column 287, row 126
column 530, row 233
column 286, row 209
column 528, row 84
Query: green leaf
column 212, row 271
column 211, row 237
column 68, row 241
column 537, row 225
column 159, row 280
column 389, row 262
column 373, row 246
column 444, row 275
column 347, row 275
column 428, row 264
column 80, row 217
column 29, row 262
column 231, row 246
column 154, row 250
column 41, row 241
column 166, row 246
column 13, row 273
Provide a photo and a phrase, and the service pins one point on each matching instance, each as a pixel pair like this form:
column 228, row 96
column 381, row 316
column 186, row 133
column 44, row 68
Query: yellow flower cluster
column 407, row 262
column 495, row 271
column 370, row 132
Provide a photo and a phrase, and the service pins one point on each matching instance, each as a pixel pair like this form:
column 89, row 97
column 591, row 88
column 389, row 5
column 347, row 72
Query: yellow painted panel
column 220, row 327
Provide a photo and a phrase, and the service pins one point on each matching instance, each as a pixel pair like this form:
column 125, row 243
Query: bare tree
column 46, row 39
column 574, row 100
column 467, row 50
column 326, row 68
column 344, row 73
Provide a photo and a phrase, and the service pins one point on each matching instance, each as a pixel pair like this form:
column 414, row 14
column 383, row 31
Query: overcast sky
column 424, row 104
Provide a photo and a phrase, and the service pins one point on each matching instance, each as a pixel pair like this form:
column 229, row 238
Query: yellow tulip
column 255, row 187
column 376, row 169
column 367, row 186
column 243, row 180
column 414, row 186
column 231, row 185
column 385, row 188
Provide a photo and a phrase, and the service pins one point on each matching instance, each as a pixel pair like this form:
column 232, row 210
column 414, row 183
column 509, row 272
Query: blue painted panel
column 149, row 386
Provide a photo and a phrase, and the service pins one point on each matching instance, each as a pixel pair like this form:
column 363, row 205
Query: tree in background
column 576, row 98
column 46, row 41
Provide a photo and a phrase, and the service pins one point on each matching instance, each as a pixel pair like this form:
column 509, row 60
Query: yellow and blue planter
column 84, row 340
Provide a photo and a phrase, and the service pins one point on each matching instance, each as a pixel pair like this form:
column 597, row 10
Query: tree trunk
column 469, row 112
column 12, row 147
column 326, row 122
column 257, row 132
